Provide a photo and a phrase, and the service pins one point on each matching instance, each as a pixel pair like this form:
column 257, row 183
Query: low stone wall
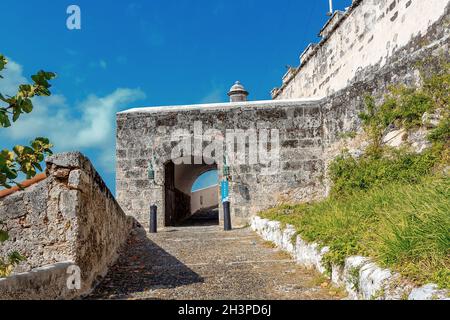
column 38, row 228
column 45, row 283
column 70, row 216
column 362, row 278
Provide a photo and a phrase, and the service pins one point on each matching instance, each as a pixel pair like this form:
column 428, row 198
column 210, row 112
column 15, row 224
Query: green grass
column 390, row 204
column 403, row 227
column 350, row 175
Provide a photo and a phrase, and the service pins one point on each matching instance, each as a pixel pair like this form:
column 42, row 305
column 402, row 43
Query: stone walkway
column 207, row 263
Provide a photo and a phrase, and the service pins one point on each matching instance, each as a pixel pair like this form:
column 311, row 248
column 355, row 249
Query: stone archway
column 152, row 134
column 179, row 176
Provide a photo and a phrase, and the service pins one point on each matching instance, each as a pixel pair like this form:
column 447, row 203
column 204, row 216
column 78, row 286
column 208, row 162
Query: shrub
column 402, row 226
column 349, row 174
column 390, row 204
column 13, row 259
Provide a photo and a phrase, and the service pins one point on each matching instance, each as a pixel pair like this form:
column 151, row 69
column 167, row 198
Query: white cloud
column 102, row 64
column 89, row 125
column 215, row 96
column 13, row 77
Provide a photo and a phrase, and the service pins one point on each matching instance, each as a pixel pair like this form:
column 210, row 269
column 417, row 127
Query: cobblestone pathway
column 206, row 263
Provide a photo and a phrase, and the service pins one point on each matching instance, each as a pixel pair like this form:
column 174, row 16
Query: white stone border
column 362, row 279
column 260, row 104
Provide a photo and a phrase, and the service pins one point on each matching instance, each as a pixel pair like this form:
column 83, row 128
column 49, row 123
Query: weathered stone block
column 69, row 203
column 78, row 179
column 67, row 160
column 36, row 198
column 61, row 173
column 13, row 206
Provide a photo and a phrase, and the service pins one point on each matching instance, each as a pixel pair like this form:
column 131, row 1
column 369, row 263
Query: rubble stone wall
column 70, row 216
column 375, row 44
column 370, row 35
column 145, row 134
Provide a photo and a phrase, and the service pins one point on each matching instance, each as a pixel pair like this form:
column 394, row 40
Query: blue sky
column 145, row 53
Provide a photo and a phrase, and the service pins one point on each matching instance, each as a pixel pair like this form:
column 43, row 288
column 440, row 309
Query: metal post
column 227, row 216
column 153, row 219
column 225, row 186
column 226, row 205
column 331, row 8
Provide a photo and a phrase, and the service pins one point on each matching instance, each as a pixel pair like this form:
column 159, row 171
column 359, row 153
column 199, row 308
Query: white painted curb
column 362, row 278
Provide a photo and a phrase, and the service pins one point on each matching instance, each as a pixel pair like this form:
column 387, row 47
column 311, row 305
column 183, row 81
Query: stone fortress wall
column 359, row 42
column 146, row 133
column 374, row 44
column 423, row 53
column 71, row 218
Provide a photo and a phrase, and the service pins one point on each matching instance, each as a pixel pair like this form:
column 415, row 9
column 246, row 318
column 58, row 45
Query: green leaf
column 4, row 120
column 38, row 166
column 15, row 258
column 43, row 140
column 27, row 106
column 11, row 173
column 49, row 75
column 3, row 62
column 25, row 88
column 16, row 114
column 3, row 236
column 24, row 159
column 18, row 150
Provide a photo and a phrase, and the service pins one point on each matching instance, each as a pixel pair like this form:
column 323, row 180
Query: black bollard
column 227, row 216
column 153, row 219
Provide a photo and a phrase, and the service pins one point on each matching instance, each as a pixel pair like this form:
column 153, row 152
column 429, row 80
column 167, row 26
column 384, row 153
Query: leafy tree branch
column 25, row 159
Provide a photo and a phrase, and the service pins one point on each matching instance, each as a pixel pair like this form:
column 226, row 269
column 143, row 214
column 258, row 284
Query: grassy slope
column 404, row 227
column 391, row 205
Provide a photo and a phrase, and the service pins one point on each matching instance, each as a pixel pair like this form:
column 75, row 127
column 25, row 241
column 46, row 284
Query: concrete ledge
column 224, row 106
column 362, row 278
column 45, row 283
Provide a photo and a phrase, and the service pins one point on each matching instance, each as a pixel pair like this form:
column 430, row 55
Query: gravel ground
column 206, row 263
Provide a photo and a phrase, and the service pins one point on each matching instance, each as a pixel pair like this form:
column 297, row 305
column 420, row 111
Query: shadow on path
column 210, row 264
column 143, row 266
column 202, row 218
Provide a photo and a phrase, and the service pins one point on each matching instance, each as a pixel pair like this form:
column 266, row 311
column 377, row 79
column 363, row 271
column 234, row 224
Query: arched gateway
column 180, row 202
column 273, row 150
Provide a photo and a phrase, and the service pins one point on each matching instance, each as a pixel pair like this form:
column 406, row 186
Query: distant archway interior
column 191, row 193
